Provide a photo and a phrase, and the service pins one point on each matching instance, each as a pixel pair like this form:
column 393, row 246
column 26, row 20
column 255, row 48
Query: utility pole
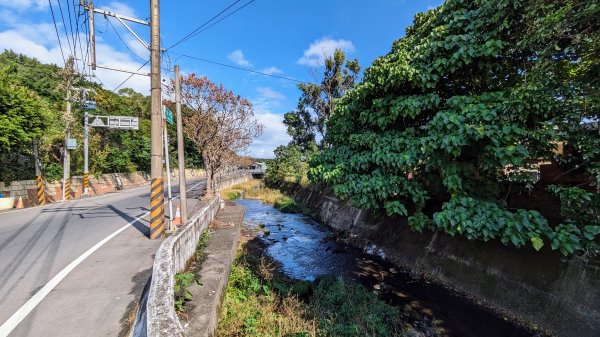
column 66, row 183
column 86, row 128
column 180, row 155
column 41, row 195
column 157, row 210
column 92, row 29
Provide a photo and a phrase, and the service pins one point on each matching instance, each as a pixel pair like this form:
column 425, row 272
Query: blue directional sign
column 88, row 105
column 168, row 116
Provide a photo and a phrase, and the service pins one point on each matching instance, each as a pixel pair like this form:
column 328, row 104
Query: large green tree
column 23, row 118
column 445, row 127
column 317, row 100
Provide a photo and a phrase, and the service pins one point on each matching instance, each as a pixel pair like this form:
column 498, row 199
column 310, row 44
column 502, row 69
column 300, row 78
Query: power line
column 195, row 31
column 120, row 38
column 130, row 76
column 71, row 26
column 223, row 18
column 64, row 26
column 57, row 34
column 240, row 68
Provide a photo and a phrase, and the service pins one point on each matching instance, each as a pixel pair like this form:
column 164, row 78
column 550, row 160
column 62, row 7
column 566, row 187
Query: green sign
column 168, row 116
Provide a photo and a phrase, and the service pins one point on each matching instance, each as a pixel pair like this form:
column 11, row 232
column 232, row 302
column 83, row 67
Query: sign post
column 168, row 118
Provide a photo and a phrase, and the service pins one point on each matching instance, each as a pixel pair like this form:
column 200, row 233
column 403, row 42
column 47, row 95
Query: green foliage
column 349, row 309
column 182, row 282
column 233, row 195
column 32, row 106
column 288, row 205
column 476, row 89
column 259, row 301
column 290, row 164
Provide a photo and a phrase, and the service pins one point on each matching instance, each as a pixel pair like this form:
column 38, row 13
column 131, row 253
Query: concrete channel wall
column 171, row 258
column 544, row 288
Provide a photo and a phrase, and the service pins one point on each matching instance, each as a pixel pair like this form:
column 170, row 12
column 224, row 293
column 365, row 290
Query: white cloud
column 320, row 49
column 237, row 57
column 270, row 94
column 271, row 71
column 274, row 134
column 22, row 5
column 121, row 8
column 39, row 41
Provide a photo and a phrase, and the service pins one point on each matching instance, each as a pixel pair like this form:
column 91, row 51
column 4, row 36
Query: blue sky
column 284, row 38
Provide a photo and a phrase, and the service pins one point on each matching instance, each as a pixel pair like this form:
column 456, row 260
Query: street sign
column 97, row 122
column 88, row 105
column 168, row 116
column 71, row 144
column 115, row 122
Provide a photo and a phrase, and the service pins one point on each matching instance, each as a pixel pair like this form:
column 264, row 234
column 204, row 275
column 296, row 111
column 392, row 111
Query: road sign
column 168, row 116
column 115, row 122
column 88, row 105
column 71, row 144
column 97, row 122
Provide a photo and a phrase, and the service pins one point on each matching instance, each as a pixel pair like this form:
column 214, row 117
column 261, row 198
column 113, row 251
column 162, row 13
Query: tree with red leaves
column 220, row 123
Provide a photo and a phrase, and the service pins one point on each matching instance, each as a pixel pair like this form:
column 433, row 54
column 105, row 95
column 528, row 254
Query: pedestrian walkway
column 203, row 310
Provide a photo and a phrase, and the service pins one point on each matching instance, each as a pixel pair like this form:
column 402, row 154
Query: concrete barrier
column 171, row 258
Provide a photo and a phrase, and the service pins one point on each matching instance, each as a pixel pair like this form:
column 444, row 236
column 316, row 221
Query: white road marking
column 33, row 302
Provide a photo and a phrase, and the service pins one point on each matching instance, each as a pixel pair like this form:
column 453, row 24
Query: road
column 76, row 268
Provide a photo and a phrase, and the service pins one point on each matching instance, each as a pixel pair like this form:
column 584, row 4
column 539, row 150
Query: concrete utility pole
column 86, row 128
column 157, row 210
column 92, row 29
column 180, row 155
column 66, row 183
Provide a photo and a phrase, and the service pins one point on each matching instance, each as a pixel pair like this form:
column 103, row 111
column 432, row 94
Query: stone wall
column 101, row 184
column 542, row 288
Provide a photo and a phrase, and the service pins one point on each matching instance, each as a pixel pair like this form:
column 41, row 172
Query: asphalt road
column 56, row 281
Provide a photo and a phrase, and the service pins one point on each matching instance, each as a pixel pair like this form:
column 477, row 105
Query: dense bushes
column 445, row 127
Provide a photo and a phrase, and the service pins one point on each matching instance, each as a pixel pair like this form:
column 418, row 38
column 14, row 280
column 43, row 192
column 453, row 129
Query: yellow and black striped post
column 41, row 195
column 86, row 183
column 157, row 209
column 68, row 189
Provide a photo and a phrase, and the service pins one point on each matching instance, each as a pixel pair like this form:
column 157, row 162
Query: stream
column 306, row 250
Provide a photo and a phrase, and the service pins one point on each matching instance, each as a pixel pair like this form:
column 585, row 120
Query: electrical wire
column 195, row 31
column 223, row 18
column 65, row 27
column 57, row 34
column 120, row 38
column 239, row 68
column 130, row 76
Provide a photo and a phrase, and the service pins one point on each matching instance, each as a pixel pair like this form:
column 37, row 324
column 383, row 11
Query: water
column 305, row 250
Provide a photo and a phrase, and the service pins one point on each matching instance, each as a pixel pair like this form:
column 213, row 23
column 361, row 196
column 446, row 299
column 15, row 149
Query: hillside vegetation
column 32, row 105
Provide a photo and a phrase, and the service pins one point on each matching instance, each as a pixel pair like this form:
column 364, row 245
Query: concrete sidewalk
column 204, row 309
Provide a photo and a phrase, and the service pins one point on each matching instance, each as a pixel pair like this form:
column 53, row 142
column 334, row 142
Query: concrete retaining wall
column 171, row 258
column 101, row 184
column 542, row 288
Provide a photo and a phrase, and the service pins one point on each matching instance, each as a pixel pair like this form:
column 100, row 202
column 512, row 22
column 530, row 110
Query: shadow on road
column 142, row 228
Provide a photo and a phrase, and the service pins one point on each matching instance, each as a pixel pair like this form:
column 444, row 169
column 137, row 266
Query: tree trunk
column 209, row 176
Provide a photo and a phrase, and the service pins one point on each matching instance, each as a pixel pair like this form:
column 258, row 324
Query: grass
column 255, row 189
column 260, row 301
